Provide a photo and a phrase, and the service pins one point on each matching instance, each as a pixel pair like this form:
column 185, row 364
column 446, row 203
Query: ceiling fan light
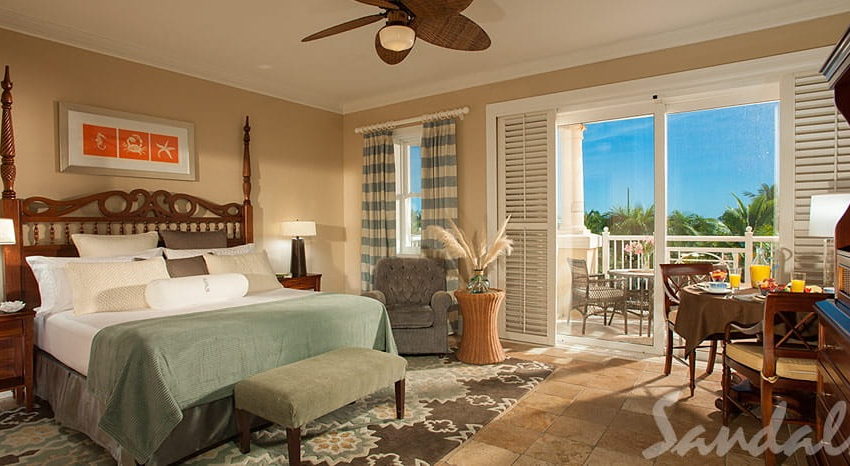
column 397, row 38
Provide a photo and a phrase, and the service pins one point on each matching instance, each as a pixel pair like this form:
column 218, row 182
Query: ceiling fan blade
column 346, row 26
column 452, row 32
column 388, row 56
column 386, row 4
column 432, row 8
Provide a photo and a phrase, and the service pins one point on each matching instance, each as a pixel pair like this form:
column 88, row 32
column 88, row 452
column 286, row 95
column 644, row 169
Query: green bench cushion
column 297, row 393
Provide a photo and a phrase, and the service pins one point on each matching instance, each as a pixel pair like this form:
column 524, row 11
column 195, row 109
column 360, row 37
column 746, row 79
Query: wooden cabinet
column 834, row 315
column 16, row 357
column 311, row 281
column 833, row 374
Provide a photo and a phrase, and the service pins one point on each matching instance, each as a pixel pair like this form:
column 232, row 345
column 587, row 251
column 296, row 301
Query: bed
column 150, row 386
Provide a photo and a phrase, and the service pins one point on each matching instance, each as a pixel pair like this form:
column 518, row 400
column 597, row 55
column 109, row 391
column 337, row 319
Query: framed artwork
column 98, row 141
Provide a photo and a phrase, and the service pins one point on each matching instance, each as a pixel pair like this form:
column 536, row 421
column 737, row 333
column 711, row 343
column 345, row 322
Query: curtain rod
column 458, row 112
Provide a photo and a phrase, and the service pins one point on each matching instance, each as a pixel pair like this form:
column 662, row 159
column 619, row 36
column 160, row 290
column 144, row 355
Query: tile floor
column 597, row 330
column 596, row 408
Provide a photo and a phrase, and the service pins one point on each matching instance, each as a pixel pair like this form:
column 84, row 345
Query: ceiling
column 256, row 44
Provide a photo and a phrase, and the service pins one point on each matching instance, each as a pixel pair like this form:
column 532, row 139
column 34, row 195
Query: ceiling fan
column 438, row 22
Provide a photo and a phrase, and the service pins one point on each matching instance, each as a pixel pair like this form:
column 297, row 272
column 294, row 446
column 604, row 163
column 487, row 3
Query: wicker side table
column 480, row 341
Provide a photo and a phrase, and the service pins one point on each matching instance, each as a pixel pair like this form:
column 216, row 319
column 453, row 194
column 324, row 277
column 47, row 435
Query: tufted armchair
column 414, row 292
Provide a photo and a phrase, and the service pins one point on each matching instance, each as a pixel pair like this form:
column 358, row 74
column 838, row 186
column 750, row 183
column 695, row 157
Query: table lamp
column 298, row 230
column 7, row 231
column 826, row 210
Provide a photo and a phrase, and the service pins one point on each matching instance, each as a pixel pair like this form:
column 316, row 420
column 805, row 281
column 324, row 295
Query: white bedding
column 68, row 337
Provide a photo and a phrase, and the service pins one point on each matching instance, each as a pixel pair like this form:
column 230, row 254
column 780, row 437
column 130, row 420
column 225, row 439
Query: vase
column 479, row 283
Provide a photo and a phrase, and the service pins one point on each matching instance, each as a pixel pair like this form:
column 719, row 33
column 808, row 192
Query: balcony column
column 572, row 179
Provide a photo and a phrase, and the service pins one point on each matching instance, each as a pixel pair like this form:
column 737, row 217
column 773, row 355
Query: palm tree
column 631, row 221
column 595, row 221
column 767, row 191
column 759, row 213
column 688, row 224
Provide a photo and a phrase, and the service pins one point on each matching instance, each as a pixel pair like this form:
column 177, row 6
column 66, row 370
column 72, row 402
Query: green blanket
column 146, row 372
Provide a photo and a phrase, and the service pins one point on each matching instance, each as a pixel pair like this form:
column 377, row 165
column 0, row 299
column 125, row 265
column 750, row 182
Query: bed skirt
column 75, row 407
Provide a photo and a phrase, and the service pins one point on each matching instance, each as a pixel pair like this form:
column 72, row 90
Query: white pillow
column 114, row 245
column 184, row 253
column 113, row 286
column 254, row 266
column 53, row 284
column 176, row 293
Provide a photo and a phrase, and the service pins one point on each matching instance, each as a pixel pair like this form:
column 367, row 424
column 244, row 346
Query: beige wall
column 296, row 149
column 471, row 131
column 306, row 161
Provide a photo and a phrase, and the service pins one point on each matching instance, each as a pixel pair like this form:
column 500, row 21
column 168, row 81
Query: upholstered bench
column 298, row 393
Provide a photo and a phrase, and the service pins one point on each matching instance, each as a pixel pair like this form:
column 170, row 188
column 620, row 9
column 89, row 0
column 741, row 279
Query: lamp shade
column 825, row 212
column 7, row 231
column 397, row 37
column 298, row 228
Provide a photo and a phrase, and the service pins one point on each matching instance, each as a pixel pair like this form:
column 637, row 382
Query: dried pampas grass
column 475, row 252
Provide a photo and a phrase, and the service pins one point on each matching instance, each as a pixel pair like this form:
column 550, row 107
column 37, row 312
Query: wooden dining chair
column 674, row 277
column 780, row 359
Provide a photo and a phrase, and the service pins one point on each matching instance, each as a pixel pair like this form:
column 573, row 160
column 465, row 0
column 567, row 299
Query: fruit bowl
column 768, row 285
column 718, row 275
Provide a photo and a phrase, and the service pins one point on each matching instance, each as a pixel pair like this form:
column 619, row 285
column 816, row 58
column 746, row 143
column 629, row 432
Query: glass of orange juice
column 798, row 282
column 734, row 278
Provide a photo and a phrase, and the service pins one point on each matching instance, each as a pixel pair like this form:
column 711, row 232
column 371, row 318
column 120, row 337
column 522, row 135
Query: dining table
column 703, row 315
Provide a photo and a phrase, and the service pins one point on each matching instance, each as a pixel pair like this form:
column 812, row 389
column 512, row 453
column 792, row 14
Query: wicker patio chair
column 595, row 294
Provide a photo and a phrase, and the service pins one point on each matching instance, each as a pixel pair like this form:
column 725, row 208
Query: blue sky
column 711, row 154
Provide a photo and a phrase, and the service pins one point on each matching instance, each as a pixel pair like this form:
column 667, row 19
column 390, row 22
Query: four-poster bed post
column 10, row 205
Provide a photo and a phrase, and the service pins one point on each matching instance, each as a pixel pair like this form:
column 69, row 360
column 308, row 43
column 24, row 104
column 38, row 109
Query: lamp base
column 299, row 258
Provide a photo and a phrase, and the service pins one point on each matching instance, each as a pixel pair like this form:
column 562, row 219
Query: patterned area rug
column 446, row 403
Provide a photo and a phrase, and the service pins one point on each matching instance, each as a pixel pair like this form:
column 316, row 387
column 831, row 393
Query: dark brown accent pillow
column 194, row 239
column 187, row 267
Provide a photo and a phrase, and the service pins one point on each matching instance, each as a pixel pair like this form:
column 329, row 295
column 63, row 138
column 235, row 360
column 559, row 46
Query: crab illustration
column 135, row 144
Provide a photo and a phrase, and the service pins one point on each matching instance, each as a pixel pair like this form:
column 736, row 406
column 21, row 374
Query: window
column 408, row 190
column 722, row 170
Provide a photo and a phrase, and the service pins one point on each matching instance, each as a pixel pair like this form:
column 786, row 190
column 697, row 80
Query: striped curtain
column 439, row 187
column 378, row 205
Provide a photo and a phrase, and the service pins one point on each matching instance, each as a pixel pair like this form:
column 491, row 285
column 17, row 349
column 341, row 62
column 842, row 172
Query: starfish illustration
column 166, row 148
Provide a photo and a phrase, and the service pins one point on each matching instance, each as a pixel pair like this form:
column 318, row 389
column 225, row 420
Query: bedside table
column 16, row 355
column 311, row 281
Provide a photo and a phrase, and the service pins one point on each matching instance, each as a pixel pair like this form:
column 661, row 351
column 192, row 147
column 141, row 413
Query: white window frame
column 403, row 139
column 717, row 86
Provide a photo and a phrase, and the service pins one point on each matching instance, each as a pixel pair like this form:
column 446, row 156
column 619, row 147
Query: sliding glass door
column 642, row 185
column 606, row 228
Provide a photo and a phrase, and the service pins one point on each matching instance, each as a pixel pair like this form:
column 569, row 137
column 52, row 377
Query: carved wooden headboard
column 44, row 226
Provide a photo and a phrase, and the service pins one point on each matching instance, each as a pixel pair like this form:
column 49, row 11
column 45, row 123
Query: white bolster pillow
column 176, row 293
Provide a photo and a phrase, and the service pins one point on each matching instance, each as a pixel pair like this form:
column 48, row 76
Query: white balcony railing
column 638, row 251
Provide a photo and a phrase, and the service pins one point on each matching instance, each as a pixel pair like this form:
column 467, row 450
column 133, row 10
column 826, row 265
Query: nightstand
column 16, row 355
column 311, row 281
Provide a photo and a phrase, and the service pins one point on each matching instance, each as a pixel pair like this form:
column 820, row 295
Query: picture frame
column 100, row 141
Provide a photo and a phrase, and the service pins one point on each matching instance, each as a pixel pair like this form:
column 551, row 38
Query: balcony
column 618, row 251
column 610, row 255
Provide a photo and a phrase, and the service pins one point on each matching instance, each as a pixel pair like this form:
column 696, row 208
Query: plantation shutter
column 526, row 164
column 821, row 164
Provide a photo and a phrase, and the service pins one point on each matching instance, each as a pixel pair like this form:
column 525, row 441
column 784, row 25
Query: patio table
column 703, row 315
